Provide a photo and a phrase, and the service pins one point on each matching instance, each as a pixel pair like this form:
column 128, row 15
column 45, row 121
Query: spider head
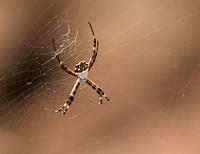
column 81, row 66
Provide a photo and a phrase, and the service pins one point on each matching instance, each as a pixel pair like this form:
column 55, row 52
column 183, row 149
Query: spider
column 81, row 74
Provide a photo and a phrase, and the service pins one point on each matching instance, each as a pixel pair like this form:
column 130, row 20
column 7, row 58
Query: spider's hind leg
column 101, row 101
column 98, row 90
column 67, row 105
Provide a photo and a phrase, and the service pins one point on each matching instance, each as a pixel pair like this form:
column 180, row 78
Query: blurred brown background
column 148, row 64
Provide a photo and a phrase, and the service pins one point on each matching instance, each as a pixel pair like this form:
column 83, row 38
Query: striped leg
column 95, row 49
column 65, row 68
column 98, row 90
column 66, row 106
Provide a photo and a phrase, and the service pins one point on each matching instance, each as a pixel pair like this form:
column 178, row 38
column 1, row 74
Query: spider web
column 148, row 63
column 36, row 71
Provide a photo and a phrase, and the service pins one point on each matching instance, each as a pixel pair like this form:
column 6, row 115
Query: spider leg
column 66, row 69
column 69, row 101
column 98, row 90
column 95, row 48
column 101, row 101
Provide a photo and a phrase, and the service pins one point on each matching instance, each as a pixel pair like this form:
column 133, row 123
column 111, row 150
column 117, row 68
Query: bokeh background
column 148, row 64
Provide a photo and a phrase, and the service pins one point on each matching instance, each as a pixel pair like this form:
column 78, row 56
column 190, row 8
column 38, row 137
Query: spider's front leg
column 65, row 68
column 66, row 106
column 98, row 90
column 95, row 48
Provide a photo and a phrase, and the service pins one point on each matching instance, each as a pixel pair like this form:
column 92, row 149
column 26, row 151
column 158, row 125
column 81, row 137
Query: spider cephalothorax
column 81, row 66
column 81, row 72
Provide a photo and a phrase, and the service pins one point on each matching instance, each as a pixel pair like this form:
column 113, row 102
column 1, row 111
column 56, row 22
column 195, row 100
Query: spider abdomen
column 83, row 76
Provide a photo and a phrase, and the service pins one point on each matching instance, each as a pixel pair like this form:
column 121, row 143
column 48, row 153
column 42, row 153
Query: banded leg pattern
column 67, row 105
column 95, row 48
column 98, row 90
column 65, row 68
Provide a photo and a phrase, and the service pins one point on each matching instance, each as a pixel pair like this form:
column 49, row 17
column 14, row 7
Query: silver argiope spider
column 80, row 72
